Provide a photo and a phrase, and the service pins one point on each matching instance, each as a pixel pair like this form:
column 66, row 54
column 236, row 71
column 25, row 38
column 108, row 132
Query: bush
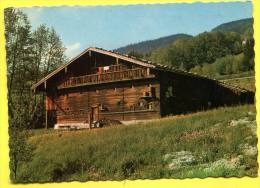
column 57, row 174
column 129, row 166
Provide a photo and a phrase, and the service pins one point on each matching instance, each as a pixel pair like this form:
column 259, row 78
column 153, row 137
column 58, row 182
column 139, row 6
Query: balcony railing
column 130, row 74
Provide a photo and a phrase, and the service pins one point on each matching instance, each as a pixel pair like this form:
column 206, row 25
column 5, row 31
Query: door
column 95, row 113
column 52, row 118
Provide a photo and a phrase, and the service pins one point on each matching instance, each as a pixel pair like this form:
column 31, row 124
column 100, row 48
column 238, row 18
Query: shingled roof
column 132, row 59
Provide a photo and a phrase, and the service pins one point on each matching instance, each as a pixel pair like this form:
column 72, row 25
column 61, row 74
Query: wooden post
column 117, row 60
column 46, row 118
column 123, row 103
column 148, row 71
column 89, row 120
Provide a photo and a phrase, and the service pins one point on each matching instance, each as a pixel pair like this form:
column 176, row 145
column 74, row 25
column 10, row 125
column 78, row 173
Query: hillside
column 244, row 80
column 150, row 45
column 145, row 47
column 239, row 26
column 219, row 142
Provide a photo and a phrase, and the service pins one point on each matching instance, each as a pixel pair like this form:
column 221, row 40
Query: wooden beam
column 66, row 69
column 117, row 60
column 123, row 103
column 148, row 71
column 89, row 53
column 45, row 85
column 46, row 119
column 89, row 119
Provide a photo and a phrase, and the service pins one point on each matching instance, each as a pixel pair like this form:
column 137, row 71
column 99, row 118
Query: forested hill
column 239, row 26
column 227, row 49
column 146, row 47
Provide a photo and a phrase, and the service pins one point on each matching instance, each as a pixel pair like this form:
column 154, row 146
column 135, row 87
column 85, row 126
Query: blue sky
column 111, row 27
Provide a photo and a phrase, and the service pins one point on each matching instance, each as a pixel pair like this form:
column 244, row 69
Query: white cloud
column 72, row 49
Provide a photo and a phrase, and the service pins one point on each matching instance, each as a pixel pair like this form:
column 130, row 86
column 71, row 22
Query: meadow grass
column 195, row 145
column 238, row 75
column 246, row 83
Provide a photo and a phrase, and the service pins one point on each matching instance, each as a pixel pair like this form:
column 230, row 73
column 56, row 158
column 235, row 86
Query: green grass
column 244, row 80
column 246, row 83
column 196, row 145
column 239, row 75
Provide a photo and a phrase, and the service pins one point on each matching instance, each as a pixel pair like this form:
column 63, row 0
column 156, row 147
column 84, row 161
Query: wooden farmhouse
column 100, row 84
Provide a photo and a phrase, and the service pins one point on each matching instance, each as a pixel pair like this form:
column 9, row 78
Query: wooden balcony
column 130, row 74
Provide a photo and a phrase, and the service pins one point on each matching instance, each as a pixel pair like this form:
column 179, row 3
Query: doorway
column 94, row 113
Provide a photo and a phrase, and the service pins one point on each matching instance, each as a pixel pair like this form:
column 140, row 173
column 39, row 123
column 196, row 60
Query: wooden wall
column 118, row 101
column 191, row 94
column 174, row 93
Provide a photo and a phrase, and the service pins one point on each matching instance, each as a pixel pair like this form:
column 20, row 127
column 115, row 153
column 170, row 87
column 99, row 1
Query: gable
column 88, row 53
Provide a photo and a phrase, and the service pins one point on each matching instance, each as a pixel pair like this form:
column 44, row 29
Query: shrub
column 129, row 166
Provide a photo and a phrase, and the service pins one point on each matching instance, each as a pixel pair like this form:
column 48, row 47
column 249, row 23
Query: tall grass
column 247, row 83
column 138, row 151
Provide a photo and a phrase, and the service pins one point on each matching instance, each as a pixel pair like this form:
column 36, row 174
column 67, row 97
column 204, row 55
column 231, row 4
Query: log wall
column 120, row 101
column 182, row 94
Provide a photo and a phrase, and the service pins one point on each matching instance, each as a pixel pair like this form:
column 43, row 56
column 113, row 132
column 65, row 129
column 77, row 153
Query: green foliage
column 48, row 51
column 139, row 151
column 186, row 52
column 225, row 41
column 243, row 27
column 249, row 53
column 247, row 82
column 228, row 65
column 135, row 54
column 146, row 47
column 202, row 49
column 30, row 55
column 160, row 56
column 240, row 26
column 20, row 150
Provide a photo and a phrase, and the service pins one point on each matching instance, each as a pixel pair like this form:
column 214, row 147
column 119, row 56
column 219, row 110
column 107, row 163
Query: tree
column 197, row 69
column 161, row 56
column 20, row 150
column 181, row 54
column 47, row 55
column 18, row 49
column 48, row 51
column 187, row 53
column 30, row 55
column 249, row 53
column 135, row 54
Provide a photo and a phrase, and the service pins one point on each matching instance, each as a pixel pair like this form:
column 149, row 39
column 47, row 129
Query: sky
column 110, row 27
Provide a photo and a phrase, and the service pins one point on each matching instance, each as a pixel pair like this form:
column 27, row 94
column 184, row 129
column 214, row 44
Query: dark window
column 153, row 91
column 169, row 92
